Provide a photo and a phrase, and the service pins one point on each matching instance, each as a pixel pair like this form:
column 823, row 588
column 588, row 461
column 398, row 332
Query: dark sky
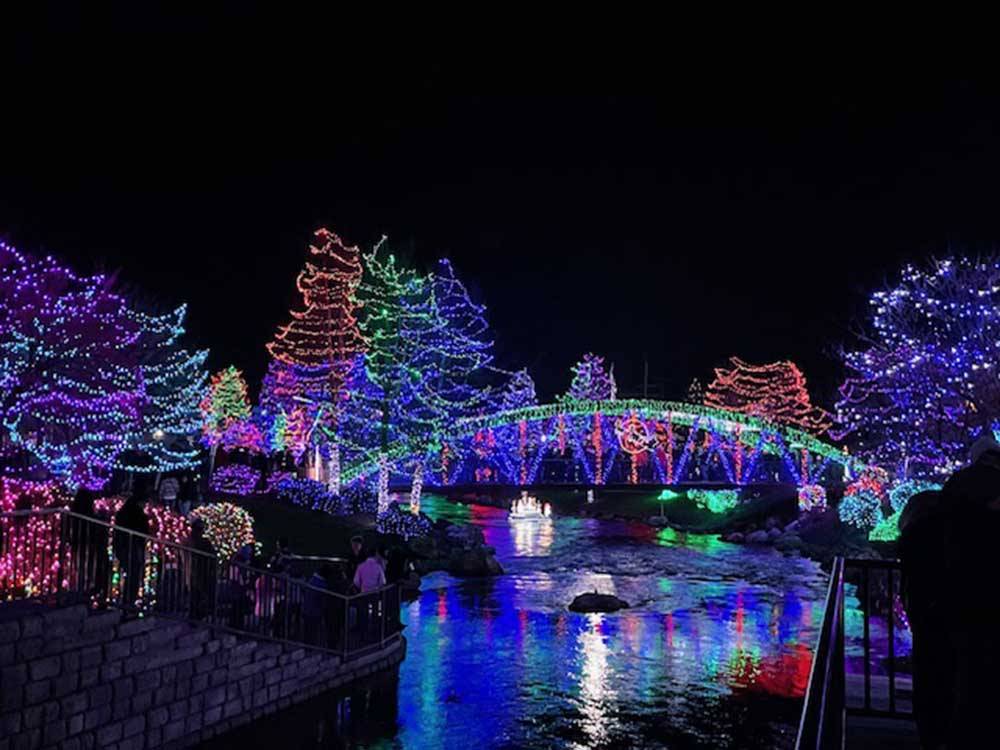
column 705, row 212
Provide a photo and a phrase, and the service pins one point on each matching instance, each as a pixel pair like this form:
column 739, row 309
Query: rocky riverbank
column 460, row 549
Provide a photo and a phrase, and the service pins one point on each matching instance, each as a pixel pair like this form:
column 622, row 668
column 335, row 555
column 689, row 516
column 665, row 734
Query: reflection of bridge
column 629, row 442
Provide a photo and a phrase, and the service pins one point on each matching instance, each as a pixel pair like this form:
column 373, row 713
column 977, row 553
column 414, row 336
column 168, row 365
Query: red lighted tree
column 776, row 391
column 322, row 338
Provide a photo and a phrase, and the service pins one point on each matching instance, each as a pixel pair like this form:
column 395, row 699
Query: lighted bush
column 900, row 495
column 307, row 493
column 234, row 479
column 886, row 530
column 403, row 523
column 358, row 498
column 715, row 501
column 862, row 509
column 275, row 478
column 812, row 497
column 228, row 527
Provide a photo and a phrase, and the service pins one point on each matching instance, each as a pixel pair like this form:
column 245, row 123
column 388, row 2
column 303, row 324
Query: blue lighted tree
column 925, row 384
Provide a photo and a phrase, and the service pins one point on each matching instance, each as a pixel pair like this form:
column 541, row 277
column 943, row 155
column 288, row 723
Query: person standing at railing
column 972, row 557
column 313, row 602
column 89, row 546
column 925, row 526
column 130, row 549
column 370, row 575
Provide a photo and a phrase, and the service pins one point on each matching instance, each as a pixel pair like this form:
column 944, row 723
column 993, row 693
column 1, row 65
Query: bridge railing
column 56, row 556
column 838, row 688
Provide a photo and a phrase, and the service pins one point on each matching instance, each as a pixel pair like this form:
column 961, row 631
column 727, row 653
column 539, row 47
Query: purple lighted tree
column 70, row 386
column 924, row 384
column 591, row 382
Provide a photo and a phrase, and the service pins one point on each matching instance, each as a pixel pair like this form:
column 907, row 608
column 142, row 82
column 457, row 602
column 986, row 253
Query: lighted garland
column 234, row 479
column 862, row 509
column 715, row 501
column 228, row 528
column 901, row 493
column 812, row 497
column 403, row 523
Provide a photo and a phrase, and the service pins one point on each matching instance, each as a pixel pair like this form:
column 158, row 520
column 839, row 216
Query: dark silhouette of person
column 204, row 572
column 972, row 557
column 89, row 546
column 925, row 534
column 130, row 549
column 356, row 556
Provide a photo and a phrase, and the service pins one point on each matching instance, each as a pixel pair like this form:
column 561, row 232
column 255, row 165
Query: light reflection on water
column 714, row 653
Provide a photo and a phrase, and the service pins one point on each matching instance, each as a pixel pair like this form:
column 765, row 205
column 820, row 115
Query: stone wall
column 76, row 680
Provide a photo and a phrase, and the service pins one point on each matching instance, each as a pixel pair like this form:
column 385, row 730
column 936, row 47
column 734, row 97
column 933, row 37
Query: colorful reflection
column 713, row 628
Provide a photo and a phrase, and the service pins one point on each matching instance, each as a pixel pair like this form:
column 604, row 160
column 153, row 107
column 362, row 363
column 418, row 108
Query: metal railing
column 879, row 592
column 60, row 556
column 831, row 695
column 822, row 724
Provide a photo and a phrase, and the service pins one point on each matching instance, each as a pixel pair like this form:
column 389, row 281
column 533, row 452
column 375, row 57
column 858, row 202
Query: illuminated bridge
column 615, row 443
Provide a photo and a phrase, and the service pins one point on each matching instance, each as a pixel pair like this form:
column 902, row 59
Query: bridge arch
column 617, row 443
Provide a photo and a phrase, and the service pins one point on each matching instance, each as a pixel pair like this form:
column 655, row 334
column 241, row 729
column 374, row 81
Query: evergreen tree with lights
column 71, row 390
column 323, row 338
column 591, row 382
column 923, row 385
column 776, row 392
column 225, row 403
column 164, row 439
column 695, row 392
column 519, row 392
column 400, row 322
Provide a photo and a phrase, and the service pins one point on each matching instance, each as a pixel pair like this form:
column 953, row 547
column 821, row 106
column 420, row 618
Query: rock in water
column 594, row 602
column 757, row 537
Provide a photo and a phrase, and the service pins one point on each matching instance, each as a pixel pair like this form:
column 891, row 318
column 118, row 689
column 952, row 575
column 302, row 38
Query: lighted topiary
column 863, row 509
column 228, row 527
column 715, row 501
column 886, row 530
column 812, row 497
column 900, row 495
column 234, row 479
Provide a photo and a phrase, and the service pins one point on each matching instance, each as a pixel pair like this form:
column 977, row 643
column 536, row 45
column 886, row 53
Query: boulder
column 788, row 542
column 757, row 537
column 474, row 563
column 594, row 602
column 658, row 521
column 465, row 536
column 773, row 533
column 736, row 538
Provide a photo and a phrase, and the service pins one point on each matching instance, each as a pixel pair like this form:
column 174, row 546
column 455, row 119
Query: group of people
column 950, row 547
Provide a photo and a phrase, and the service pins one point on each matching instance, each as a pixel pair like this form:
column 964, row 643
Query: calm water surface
column 714, row 653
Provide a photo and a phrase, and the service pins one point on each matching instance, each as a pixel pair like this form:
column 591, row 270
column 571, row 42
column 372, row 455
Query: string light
column 812, row 497
column 591, row 382
column 306, row 493
column 715, row 501
column 775, row 392
column 862, row 509
column 224, row 405
column 228, row 527
column 925, row 386
column 30, row 564
column 234, row 479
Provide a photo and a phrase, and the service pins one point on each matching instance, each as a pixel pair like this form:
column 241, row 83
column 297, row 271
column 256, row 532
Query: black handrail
column 57, row 555
column 821, row 726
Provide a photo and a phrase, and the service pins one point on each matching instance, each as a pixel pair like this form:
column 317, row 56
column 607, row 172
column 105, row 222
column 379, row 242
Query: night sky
column 723, row 211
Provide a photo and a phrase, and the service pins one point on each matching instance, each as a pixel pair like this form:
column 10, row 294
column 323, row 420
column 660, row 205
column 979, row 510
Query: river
column 714, row 653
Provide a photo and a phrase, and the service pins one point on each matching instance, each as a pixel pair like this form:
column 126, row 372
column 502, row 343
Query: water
column 714, row 653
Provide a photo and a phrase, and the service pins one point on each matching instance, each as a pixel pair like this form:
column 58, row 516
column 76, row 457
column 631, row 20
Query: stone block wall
column 77, row 680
